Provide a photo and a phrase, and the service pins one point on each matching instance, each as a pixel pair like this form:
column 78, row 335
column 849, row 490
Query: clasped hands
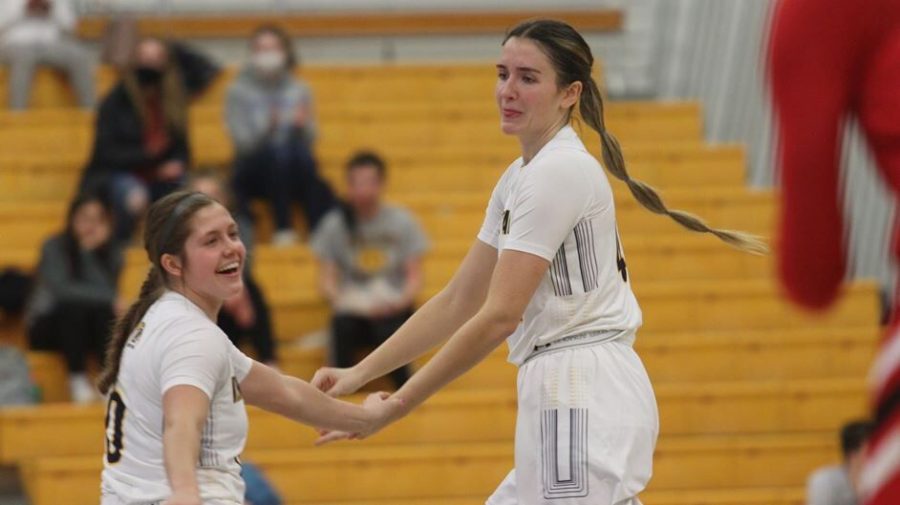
column 381, row 409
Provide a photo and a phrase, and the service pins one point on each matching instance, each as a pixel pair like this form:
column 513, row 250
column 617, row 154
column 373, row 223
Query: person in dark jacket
column 141, row 150
column 75, row 297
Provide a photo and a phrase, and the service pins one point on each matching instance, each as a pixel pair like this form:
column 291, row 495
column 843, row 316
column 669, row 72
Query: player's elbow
column 500, row 323
column 285, row 400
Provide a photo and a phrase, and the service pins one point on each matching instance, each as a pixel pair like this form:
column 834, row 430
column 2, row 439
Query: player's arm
column 512, row 285
column 814, row 59
column 413, row 282
column 432, row 324
column 298, row 400
column 185, row 409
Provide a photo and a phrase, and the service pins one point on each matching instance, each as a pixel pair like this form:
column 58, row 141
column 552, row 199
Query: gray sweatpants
column 66, row 55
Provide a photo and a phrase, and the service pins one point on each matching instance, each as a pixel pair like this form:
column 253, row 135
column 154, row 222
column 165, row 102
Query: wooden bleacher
column 751, row 391
column 344, row 24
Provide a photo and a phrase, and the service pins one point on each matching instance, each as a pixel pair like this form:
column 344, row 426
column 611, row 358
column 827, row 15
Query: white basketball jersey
column 560, row 207
column 175, row 344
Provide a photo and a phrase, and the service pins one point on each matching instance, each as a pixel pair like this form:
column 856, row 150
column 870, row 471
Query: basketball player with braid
column 559, row 292
column 176, row 422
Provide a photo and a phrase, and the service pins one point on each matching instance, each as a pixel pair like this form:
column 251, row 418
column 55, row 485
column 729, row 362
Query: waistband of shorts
column 579, row 340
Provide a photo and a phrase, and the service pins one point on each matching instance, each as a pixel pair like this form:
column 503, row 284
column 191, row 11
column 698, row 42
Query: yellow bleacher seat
column 467, row 469
column 750, row 390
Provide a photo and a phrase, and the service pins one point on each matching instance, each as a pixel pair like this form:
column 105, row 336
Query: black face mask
column 148, row 76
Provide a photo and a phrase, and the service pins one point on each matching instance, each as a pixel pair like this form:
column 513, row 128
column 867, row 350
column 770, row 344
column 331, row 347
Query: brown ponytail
column 151, row 290
column 591, row 109
column 167, row 229
column 572, row 59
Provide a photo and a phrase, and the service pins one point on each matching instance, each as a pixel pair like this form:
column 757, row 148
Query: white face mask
column 268, row 62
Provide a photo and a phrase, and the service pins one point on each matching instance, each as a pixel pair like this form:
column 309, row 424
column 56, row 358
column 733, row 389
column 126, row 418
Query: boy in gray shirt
column 370, row 264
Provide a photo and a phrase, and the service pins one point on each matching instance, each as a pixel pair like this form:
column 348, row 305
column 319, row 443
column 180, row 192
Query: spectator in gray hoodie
column 75, row 298
column 270, row 117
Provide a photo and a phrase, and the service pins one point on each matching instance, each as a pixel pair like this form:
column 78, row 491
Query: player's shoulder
column 511, row 170
column 563, row 165
column 173, row 317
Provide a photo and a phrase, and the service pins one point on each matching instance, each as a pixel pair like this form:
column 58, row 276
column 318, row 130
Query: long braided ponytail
column 572, row 60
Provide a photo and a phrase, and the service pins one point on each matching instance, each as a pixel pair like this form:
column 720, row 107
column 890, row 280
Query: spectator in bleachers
column 370, row 264
column 122, row 36
column 40, row 32
column 141, row 150
column 75, row 298
column 270, row 117
column 836, row 485
column 246, row 316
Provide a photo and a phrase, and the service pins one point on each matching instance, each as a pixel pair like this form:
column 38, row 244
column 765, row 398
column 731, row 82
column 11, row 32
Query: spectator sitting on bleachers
column 247, row 315
column 270, row 118
column 370, row 264
column 75, row 298
column 836, row 485
column 39, row 32
column 141, row 150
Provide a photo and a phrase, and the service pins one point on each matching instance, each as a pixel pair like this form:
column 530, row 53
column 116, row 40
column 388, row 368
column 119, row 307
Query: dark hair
column 572, row 60
column 166, row 230
column 291, row 60
column 72, row 248
column 361, row 159
column 367, row 159
column 854, row 435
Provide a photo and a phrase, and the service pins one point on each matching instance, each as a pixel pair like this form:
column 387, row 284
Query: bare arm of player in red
column 810, row 60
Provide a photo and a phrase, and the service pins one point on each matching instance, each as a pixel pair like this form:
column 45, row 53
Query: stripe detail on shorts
column 587, row 256
column 559, row 273
column 564, row 444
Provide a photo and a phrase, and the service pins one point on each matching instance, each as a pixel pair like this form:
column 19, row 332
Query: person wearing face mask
column 270, row 118
column 141, row 150
column 39, row 32
column 75, row 297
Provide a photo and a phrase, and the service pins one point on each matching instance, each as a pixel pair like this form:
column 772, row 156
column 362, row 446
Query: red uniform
column 830, row 59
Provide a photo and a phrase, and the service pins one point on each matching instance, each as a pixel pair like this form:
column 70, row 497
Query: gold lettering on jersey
column 505, row 228
column 135, row 335
column 236, row 390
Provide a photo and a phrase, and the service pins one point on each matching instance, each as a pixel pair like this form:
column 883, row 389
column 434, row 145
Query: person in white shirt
column 176, row 422
column 40, row 32
column 548, row 275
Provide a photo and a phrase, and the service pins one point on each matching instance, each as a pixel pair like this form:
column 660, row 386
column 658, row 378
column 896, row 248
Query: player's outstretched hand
column 337, row 381
column 382, row 410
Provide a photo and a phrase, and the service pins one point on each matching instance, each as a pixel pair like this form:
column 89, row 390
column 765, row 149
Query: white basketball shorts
column 586, row 427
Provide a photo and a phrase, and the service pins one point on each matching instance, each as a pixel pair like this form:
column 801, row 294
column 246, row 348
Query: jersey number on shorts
column 620, row 259
column 115, row 414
